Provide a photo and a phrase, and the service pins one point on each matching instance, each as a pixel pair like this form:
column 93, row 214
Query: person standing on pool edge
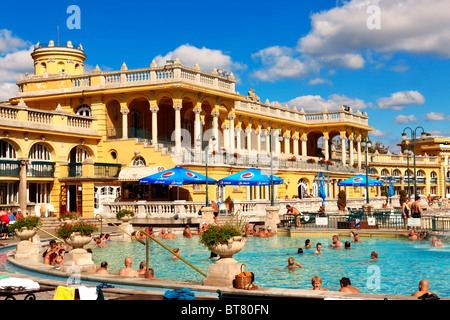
column 215, row 207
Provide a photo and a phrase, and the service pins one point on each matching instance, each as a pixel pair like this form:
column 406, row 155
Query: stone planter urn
column 77, row 240
column 226, row 251
column 78, row 259
column 25, row 248
column 126, row 218
column 25, row 234
column 223, row 272
column 126, row 227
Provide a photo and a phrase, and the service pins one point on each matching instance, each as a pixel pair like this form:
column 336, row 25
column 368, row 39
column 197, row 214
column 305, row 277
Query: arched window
column 433, row 174
column 420, row 173
column 138, row 162
column 39, row 151
column 408, row 174
column 396, row 173
column 385, row 173
column 7, row 151
column 78, row 154
column 302, row 188
column 83, row 110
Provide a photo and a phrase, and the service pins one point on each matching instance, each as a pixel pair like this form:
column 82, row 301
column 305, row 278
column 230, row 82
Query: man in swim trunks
column 336, row 243
column 416, row 210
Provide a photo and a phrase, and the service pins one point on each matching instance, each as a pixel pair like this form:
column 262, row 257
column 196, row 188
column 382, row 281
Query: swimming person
column 318, row 248
column 356, row 238
column 346, row 286
column 374, row 256
column 103, row 267
column 316, row 283
column 187, row 231
column 292, row 264
column 347, row 245
column 307, row 243
column 424, row 286
column 128, row 271
column 435, row 242
column 336, row 243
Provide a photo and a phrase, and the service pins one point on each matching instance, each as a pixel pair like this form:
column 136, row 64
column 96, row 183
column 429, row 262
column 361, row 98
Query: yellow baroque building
column 75, row 141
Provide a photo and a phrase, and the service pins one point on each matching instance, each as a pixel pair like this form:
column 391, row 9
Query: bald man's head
column 128, row 261
column 424, row 285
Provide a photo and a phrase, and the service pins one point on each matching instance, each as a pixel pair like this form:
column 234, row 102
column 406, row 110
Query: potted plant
column 224, row 240
column 311, row 160
column 329, row 162
column 69, row 217
column 25, row 228
column 342, row 200
column 77, row 234
column 125, row 215
column 293, row 158
column 322, row 161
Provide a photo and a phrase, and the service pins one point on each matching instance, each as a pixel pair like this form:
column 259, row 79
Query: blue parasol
column 360, row 181
column 391, row 187
column 322, row 193
column 177, row 176
column 250, row 177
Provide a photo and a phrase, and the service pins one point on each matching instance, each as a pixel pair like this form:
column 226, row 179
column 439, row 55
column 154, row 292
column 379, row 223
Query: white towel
column 19, row 282
column 87, row 293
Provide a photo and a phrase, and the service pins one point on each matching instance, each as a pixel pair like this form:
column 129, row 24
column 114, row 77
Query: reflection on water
column 401, row 265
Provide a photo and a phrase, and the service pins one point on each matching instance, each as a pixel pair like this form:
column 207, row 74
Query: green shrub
column 29, row 222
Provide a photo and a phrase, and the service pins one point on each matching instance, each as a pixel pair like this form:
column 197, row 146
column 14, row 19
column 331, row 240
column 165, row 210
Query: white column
column 248, row 133
column 154, row 111
column 344, row 150
column 277, row 149
column 215, row 125
column 358, row 149
column 197, row 130
column 125, row 113
column 177, row 108
column 350, row 139
column 231, row 117
column 304, row 147
column 295, row 144
column 287, row 144
column 258, row 140
column 238, row 139
column 226, row 137
column 267, row 140
column 326, row 146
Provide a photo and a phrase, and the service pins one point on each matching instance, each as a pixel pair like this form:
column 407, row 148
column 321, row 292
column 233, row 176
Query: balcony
column 263, row 161
column 9, row 168
column 40, row 169
column 22, row 117
column 100, row 170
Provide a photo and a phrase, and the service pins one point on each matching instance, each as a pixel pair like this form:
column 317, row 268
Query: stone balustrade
column 56, row 120
column 174, row 73
column 248, row 208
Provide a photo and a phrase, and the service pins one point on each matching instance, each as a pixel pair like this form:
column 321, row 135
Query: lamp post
column 414, row 139
column 408, row 153
column 213, row 142
column 366, row 143
column 271, row 132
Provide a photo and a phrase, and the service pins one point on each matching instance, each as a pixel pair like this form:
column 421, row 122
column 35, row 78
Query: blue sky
column 390, row 59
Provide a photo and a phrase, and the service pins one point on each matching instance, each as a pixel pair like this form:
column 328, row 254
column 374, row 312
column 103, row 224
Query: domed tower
column 52, row 59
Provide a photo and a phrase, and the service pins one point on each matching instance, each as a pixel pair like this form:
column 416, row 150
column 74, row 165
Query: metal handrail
column 168, row 249
column 157, row 241
column 101, row 224
column 53, row 236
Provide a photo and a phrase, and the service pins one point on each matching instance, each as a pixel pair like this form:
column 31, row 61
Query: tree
column 378, row 146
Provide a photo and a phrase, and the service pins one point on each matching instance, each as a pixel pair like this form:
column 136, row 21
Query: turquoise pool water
column 401, row 265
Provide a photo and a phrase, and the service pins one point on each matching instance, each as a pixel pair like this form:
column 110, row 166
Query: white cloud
column 402, row 119
column 279, row 63
column 414, row 26
column 317, row 81
column 315, row 103
column 378, row 133
column 208, row 59
column 10, row 43
column 340, row 38
column 15, row 60
column 399, row 100
column 7, row 91
column 435, row 116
